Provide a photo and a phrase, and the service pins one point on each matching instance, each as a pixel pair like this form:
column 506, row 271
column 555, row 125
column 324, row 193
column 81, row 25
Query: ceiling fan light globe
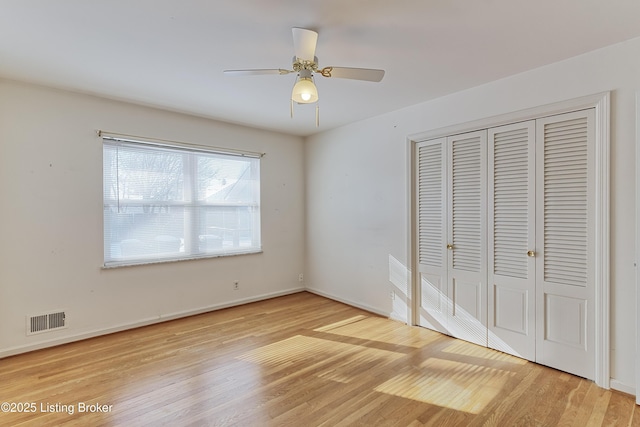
column 304, row 91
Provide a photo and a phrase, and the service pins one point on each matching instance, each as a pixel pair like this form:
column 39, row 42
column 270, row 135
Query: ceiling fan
column 305, row 64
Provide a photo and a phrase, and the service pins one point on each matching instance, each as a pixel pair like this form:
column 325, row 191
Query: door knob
column 449, row 246
column 531, row 253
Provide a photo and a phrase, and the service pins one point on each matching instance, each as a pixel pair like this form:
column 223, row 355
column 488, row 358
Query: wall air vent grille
column 46, row 322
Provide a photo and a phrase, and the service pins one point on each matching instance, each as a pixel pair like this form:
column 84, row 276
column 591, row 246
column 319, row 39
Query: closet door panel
column 467, row 259
column 511, row 266
column 565, row 230
column 432, row 234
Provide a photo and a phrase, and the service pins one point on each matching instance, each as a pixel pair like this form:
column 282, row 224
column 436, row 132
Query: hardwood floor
column 298, row 360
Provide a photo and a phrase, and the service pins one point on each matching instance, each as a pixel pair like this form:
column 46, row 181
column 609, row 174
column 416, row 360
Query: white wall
column 356, row 185
column 51, row 219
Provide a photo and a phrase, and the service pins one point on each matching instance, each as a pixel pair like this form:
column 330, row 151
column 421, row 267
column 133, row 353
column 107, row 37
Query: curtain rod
column 178, row 144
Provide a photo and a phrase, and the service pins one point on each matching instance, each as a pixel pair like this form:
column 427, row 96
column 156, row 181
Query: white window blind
column 165, row 203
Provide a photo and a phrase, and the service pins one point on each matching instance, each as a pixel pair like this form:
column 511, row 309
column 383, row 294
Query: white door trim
column 637, row 248
column 601, row 103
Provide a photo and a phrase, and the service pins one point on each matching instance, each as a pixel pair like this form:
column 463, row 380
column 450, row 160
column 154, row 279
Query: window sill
column 133, row 263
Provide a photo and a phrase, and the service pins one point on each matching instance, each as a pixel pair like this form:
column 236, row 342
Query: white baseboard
column 348, row 302
column 620, row 386
column 143, row 322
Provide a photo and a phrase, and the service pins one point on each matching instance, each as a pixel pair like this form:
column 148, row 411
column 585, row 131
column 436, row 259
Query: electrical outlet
column 300, row 277
column 392, row 294
column 236, row 285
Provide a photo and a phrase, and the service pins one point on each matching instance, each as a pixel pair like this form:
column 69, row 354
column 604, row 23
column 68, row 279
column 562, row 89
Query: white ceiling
column 171, row 53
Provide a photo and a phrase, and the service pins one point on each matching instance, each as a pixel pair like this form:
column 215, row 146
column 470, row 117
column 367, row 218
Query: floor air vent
column 46, row 322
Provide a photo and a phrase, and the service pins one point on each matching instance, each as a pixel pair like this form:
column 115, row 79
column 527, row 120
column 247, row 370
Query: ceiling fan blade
column 304, row 43
column 257, row 72
column 367, row 74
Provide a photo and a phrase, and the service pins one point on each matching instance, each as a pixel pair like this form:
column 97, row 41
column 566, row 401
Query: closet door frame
column 637, row 248
column 601, row 104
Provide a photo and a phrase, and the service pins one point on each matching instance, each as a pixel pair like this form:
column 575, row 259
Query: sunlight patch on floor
column 381, row 330
column 454, row 385
column 333, row 360
column 336, row 325
column 466, row 349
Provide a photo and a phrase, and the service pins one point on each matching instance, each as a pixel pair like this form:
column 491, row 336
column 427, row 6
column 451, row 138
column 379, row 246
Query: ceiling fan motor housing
column 303, row 64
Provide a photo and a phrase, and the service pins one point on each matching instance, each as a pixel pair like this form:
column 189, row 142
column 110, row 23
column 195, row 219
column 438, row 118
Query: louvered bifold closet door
column 511, row 235
column 432, row 233
column 467, row 258
column 565, row 234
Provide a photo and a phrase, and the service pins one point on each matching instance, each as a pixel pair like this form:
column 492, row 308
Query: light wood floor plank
column 299, row 360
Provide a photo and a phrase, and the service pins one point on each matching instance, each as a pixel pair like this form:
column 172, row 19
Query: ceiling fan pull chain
column 317, row 114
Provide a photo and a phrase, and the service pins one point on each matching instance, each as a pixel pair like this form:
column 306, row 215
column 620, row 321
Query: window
column 164, row 203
